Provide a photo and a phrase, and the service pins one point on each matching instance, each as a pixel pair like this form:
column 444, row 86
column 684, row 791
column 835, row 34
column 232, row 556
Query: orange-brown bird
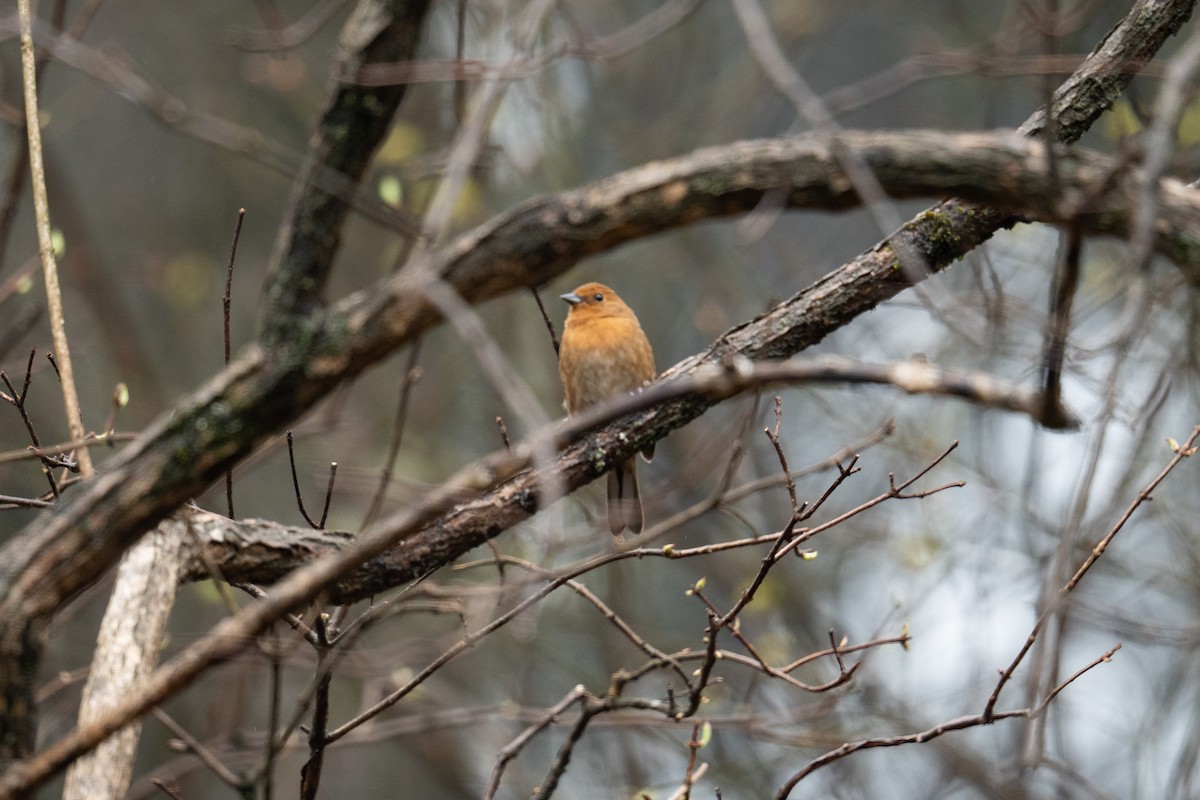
column 604, row 353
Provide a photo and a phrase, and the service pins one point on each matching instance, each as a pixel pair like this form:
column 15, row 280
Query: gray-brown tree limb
column 262, row 552
column 131, row 643
column 1004, row 169
column 128, row 646
column 178, row 457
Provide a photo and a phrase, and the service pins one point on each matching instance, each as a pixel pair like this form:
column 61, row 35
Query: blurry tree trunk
column 126, row 652
column 379, row 30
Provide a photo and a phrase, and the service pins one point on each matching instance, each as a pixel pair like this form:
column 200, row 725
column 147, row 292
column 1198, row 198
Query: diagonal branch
column 180, row 456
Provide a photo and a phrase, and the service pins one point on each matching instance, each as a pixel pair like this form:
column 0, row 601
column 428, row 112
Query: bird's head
column 595, row 300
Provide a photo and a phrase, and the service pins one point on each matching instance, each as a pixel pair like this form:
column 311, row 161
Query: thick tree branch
column 352, row 126
column 263, row 552
column 177, row 458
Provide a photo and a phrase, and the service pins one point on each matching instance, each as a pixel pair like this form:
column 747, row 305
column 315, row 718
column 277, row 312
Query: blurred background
column 171, row 117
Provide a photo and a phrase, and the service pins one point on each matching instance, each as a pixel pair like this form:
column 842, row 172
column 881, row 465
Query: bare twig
column 949, row 726
column 290, row 36
column 514, row 748
column 226, row 302
column 274, row 651
column 637, row 34
column 546, row 318
column 894, row 491
column 9, row 501
column 170, row 791
column 1172, row 101
column 502, row 426
column 37, row 174
column 1181, row 452
column 300, row 497
column 787, row 473
column 310, row 774
column 49, row 453
column 198, row 749
column 408, row 380
column 17, row 399
column 1066, row 282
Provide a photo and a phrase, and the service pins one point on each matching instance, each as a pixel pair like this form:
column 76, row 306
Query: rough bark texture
column 353, row 124
column 222, row 416
column 180, row 456
column 132, row 629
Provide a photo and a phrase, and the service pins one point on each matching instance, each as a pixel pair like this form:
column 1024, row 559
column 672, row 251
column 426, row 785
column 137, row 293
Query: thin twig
column 226, row 303
column 546, row 318
column 271, row 647
column 514, row 748
column 41, row 206
column 958, row 724
column 296, row 485
column 9, row 501
column 310, row 774
column 197, row 748
column 774, row 437
column 91, row 440
column 503, row 427
column 169, row 791
column 894, row 491
column 288, row 37
column 1066, row 284
column 412, row 374
column 1181, row 452
column 17, row 399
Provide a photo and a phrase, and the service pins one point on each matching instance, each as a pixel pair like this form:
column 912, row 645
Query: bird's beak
column 571, row 298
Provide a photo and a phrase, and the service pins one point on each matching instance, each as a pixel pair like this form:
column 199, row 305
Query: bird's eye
column 597, row 297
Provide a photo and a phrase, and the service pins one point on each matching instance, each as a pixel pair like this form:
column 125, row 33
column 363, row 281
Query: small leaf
column 391, row 191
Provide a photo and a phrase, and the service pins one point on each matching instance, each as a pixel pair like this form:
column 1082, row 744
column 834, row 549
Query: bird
column 604, row 353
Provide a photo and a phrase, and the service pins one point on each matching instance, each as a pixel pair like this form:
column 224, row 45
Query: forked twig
column 296, row 485
column 1186, row 450
column 958, row 724
column 514, row 748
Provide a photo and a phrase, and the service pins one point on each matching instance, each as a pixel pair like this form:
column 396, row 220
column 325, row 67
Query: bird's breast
column 600, row 361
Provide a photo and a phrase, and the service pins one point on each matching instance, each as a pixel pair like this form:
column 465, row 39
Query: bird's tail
column 624, row 500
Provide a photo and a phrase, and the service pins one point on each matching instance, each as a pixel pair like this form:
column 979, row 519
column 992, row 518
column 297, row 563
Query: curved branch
column 180, row 456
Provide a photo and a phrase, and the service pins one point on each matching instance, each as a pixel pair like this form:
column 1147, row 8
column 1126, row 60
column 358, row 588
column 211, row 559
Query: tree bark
column 130, row 640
